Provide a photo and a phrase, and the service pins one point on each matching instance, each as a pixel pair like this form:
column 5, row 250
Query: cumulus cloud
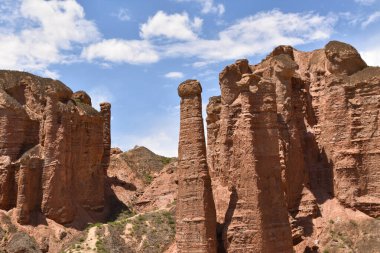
column 208, row 6
column 247, row 37
column 174, row 75
column 122, row 51
column 30, row 40
column 256, row 34
column 41, row 33
column 175, row 26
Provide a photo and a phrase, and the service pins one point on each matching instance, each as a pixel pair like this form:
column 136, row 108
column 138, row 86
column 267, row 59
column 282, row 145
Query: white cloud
column 41, row 33
column 174, row 75
column 256, row 34
column 253, row 35
column 365, row 2
column 208, row 6
column 123, row 15
column 371, row 56
column 371, row 19
column 122, row 51
column 175, row 26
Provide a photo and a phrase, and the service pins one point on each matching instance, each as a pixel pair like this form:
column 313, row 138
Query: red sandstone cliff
column 327, row 108
column 51, row 149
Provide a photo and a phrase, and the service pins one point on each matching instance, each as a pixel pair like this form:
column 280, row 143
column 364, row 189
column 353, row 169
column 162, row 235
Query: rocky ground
column 143, row 219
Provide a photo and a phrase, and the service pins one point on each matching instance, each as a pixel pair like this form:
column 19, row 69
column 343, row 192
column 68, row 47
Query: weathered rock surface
column 51, row 148
column 316, row 128
column 243, row 145
column 195, row 210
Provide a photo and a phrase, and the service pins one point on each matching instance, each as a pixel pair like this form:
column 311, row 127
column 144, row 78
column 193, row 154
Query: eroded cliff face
column 51, row 149
column 245, row 163
column 299, row 125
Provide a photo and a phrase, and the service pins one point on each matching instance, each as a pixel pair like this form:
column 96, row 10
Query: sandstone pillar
column 7, row 183
column 291, row 128
column 259, row 220
column 57, row 202
column 105, row 110
column 28, row 193
column 196, row 218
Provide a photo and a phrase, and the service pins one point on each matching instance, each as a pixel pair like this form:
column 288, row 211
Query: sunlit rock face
column 51, row 148
column 290, row 132
column 195, row 210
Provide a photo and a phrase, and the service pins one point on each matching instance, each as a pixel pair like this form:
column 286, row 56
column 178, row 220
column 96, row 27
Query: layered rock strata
column 321, row 110
column 195, row 210
column 243, row 143
column 105, row 110
column 51, row 148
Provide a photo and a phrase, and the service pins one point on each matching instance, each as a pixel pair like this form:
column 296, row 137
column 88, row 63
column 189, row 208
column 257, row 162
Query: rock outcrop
column 243, row 144
column 195, row 210
column 51, row 149
column 105, row 110
column 316, row 128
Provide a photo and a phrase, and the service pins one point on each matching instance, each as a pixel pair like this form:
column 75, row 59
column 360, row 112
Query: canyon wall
column 305, row 121
column 51, row 149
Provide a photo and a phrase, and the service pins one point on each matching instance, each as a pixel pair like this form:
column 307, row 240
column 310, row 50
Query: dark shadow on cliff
column 320, row 171
column 113, row 204
column 117, row 182
column 221, row 229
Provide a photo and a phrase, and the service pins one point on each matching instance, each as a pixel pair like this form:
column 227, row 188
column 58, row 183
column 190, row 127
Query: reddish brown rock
column 51, row 147
column 327, row 104
column 105, row 110
column 195, row 210
column 243, row 142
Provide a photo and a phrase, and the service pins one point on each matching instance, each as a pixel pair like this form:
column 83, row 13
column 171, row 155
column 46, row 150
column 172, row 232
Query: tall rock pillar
column 196, row 218
column 259, row 220
column 105, row 110
column 57, row 203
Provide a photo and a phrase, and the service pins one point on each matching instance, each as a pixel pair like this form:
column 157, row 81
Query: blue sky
column 135, row 53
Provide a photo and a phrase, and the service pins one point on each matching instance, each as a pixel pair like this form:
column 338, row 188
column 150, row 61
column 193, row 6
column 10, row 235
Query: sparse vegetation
column 165, row 160
column 147, row 177
column 353, row 236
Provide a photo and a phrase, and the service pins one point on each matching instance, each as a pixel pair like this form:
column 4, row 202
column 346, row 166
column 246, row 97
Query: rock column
column 259, row 216
column 57, row 201
column 196, row 218
column 105, row 110
column 29, row 193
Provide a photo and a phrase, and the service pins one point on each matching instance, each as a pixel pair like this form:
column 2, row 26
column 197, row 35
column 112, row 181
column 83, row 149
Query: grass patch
column 165, row 160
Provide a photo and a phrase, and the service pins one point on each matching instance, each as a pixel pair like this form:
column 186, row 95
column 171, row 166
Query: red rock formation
column 243, row 148
column 51, row 147
column 105, row 110
column 196, row 222
column 327, row 110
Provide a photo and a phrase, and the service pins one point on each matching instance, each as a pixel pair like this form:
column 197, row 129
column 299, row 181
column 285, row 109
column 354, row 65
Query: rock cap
column 105, row 106
column 81, row 96
column 189, row 88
